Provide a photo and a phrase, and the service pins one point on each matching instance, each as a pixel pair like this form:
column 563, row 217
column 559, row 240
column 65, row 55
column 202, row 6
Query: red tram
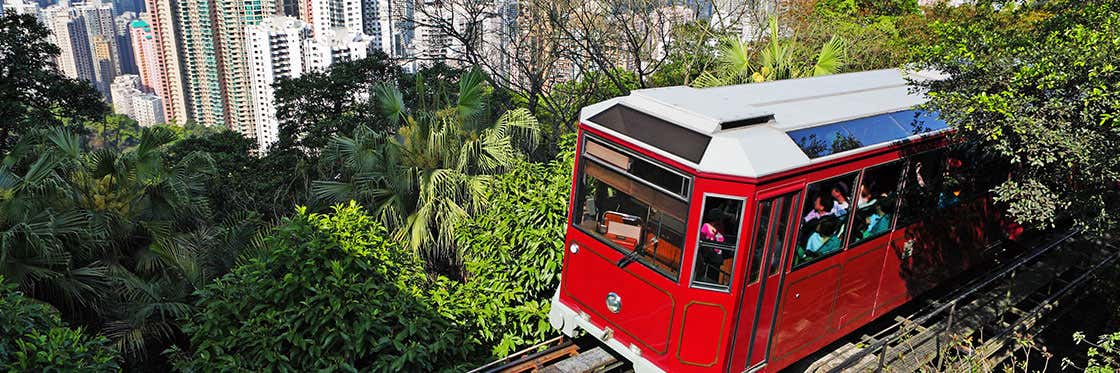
column 742, row 228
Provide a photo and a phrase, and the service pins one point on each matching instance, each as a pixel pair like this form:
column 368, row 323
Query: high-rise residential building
column 201, row 70
column 337, row 46
column 216, row 67
column 68, row 32
column 234, row 17
column 284, row 47
column 162, row 20
column 332, row 14
column 122, row 90
column 124, row 43
column 101, row 31
column 371, row 22
column 147, row 109
column 275, row 49
column 395, row 19
column 145, row 48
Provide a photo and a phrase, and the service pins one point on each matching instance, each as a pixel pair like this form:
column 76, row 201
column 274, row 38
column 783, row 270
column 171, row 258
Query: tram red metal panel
column 647, row 311
column 859, row 282
column 701, row 346
column 806, row 310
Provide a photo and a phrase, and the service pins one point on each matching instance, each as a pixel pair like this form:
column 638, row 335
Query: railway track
column 970, row 327
column 975, row 326
column 560, row 354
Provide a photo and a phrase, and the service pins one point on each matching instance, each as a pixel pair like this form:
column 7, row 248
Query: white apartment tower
column 275, row 50
column 147, row 109
column 285, row 47
column 123, row 89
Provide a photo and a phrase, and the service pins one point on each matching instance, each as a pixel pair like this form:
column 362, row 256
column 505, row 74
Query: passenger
column 823, row 241
column 710, row 230
column 820, row 209
column 865, row 196
column 877, row 222
column 840, row 195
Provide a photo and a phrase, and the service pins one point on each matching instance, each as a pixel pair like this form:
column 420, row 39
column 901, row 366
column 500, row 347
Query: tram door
column 771, row 240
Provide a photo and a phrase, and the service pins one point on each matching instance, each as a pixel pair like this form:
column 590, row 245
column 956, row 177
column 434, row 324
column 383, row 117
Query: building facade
column 123, row 89
column 285, row 47
column 147, row 109
column 164, row 27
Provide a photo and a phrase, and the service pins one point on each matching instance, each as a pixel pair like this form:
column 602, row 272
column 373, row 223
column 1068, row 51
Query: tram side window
column 823, row 217
column 926, row 190
column 876, row 202
column 719, row 240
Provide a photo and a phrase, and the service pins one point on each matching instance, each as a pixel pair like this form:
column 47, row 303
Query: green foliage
column 1103, row 355
column 513, row 255
column 779, row 58
column 889, row 7
column 115, row 239
column 334, row 293
column 34, row 338
column 33, row 95
column 431, row 174
column 834, row 8
column 1036, row 86
column 318, row 105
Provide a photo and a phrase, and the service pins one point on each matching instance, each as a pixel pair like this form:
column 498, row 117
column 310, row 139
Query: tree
column 780, row 58
column 333, row 293
column 32, row 94
column 34, row 338
column 317, row 105
column 117, row 240
column 1036, row 87
column 431, row 174
column 513, row 254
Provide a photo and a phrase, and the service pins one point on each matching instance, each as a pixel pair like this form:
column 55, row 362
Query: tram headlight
column 614, row 302
column 574, row 248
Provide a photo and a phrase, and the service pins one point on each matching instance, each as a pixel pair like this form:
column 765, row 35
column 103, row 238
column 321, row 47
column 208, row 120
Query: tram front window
column 628, row 215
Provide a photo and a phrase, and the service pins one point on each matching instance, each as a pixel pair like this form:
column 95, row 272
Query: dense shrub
column 333, row 294
column 513, row 255
column 33, row 338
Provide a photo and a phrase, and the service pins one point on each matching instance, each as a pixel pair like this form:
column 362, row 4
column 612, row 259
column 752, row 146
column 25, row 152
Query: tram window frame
column 665, row 196
column 762, row 229
column 890, row 204
column 799, row 258
column 912, row 202
column 735, row 246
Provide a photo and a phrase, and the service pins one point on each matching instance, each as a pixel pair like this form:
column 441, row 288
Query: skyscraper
column 101, row 31
column 216, row 67
column 235, row 16
column 145, row 48
column 68, row 32
column 284, row 47
column 275, row 49
column 124, row 43
column 161, row 18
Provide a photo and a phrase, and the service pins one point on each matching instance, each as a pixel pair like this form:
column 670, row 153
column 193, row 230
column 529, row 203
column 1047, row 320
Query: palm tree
column 119, row 239
column 780, row 58
column 430, row 175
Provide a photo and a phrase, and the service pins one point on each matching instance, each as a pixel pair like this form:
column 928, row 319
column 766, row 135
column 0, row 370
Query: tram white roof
column 749, row 124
